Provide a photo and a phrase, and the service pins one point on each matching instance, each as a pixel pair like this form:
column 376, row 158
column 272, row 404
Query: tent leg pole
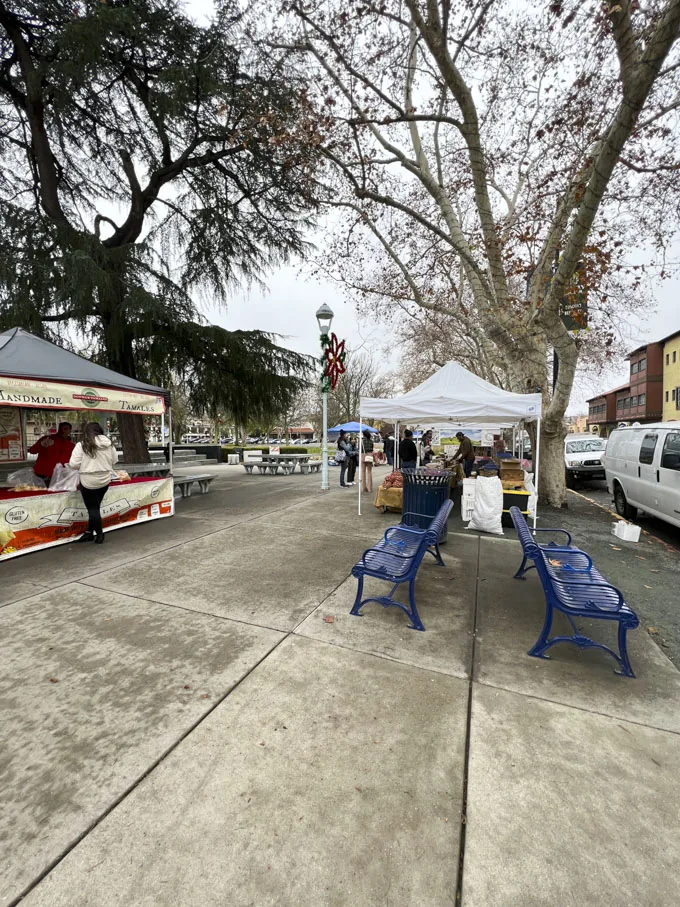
column 536, row 465
column 170, row 437
column 396, row 445
column 361, row 465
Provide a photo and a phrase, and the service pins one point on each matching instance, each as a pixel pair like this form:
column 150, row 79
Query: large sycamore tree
column 506, row 159
column 146, row 159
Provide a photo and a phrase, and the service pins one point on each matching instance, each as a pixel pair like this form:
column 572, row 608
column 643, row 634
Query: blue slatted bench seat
column 396, row 559
column 575, row 587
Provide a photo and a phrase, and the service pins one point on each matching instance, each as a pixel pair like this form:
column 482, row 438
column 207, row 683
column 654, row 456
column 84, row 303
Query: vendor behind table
column 466, row 453
column 51, row 450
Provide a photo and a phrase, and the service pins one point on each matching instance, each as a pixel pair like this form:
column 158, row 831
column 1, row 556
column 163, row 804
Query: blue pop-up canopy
column 352, row 427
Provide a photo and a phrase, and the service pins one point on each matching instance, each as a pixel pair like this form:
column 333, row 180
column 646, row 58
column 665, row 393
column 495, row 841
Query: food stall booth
column 38, row 375
column 455, row 397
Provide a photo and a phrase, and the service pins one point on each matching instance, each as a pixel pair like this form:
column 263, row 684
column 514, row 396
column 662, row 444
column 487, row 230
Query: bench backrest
column 437, row 525
column 529, row 543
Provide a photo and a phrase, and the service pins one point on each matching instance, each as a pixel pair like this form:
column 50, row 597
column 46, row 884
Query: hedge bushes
column 230, row 449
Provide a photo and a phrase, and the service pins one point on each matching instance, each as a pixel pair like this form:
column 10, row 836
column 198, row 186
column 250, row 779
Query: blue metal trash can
column 425, row 490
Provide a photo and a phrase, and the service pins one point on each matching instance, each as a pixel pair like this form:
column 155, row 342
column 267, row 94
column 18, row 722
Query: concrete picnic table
column 154, row 470
column 293, row 459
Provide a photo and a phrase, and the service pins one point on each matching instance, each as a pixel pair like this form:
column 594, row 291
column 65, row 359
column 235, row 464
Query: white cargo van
column 642, row 467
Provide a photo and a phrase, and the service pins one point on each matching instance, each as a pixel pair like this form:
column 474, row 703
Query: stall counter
column 32, row 520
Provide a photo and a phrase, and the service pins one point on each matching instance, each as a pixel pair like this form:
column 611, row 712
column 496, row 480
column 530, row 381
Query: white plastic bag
column 488, row 510
column 533, row 497
column 24, row 477
column 64, row 478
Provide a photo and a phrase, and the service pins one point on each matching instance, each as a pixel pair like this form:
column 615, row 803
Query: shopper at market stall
column 367, row 464
column 352, row 460
column 408, row 452
column 94, row 457
column 51, row 450
column 466, row 453
column 342, row 456
column 426, row 448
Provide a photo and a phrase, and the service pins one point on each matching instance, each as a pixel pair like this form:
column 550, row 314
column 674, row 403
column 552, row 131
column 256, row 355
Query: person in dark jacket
column 389, row 449
column 408, row 452
column 466, row 453
column 352, row 461
column 343, row 455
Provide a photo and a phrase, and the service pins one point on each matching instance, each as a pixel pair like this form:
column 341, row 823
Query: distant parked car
column 583, row 458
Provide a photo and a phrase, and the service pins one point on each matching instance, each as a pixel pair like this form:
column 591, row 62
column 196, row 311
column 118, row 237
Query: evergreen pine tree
column 146, row 158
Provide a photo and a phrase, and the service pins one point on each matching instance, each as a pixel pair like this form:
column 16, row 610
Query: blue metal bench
column 396, row 559
column 574, row 586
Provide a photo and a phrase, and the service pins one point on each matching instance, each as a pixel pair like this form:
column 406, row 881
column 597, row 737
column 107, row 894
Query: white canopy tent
column 455, row 396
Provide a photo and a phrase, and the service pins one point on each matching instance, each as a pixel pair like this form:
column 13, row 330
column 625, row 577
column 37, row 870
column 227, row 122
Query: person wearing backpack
column 343, row 453
column 94, row 457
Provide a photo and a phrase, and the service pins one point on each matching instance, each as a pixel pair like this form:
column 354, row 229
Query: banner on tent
column 56, row 395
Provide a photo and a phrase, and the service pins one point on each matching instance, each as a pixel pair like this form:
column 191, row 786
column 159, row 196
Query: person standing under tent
column 352, row 461
column 466, row 453
column 426, row 453
column 94, row 457
column 498, row 445
column 51, row 450
column 389, row 449
column 408, row 452
column 342, row 456
column 367, row 465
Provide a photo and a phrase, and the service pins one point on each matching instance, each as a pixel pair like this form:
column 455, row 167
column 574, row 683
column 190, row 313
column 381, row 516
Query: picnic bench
column 396, row 559
column 575, row 587
column 312, row 466
column 185, row 483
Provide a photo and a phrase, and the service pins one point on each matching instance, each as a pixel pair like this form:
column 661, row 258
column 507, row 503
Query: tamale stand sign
column 29, row 522
column 37, row 394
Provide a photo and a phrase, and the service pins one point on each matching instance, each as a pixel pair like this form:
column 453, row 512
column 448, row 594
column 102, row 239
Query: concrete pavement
column 191, row 717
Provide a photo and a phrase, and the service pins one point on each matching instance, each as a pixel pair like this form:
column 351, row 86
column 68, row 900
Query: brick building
column 602, row 418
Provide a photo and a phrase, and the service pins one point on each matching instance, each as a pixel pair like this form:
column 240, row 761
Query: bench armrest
column 383, row 552
column 400, row 528
column 563, row 531
column 590, row 586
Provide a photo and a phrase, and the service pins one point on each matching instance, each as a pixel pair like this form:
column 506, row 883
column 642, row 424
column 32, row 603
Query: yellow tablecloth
column 388, row 497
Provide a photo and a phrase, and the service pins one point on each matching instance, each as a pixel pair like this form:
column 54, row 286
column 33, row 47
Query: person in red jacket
column 52, row 449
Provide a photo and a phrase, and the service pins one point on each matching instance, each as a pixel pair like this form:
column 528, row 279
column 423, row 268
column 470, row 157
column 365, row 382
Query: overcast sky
column 288, row 308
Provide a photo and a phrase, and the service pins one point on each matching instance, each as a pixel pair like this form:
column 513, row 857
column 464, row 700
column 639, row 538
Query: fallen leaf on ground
column 329, row 619
column 205, row 696
column 652, row 630
column 359, row 789
column 53, row 680
column 640, row 557
column 186, row 686
column 648, row 587
column 615, row 548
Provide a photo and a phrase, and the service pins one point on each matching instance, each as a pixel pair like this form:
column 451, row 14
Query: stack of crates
column 467, row 504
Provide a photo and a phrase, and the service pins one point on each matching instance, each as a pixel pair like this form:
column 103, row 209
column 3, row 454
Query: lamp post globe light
column 324, row 318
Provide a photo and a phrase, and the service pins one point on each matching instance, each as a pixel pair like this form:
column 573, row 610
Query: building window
column 677, row 397
column 668, row 359
column 633, row 401
column 642, row 399
column 626, row 403
column 642, row 365
column 674, row 390
column 619, row 404
column 634, row 368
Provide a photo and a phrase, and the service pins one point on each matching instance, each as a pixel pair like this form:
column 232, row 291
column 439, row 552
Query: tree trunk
column 552, row 488
column 133, row 438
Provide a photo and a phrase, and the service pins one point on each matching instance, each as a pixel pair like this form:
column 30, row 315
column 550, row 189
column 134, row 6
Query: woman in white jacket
column 95, row 457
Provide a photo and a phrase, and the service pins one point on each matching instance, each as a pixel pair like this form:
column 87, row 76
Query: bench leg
column 356, row 607
column 523, row 569
column 387, row 601
column 626, row 668
column 436, row 554
column 541, row 645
